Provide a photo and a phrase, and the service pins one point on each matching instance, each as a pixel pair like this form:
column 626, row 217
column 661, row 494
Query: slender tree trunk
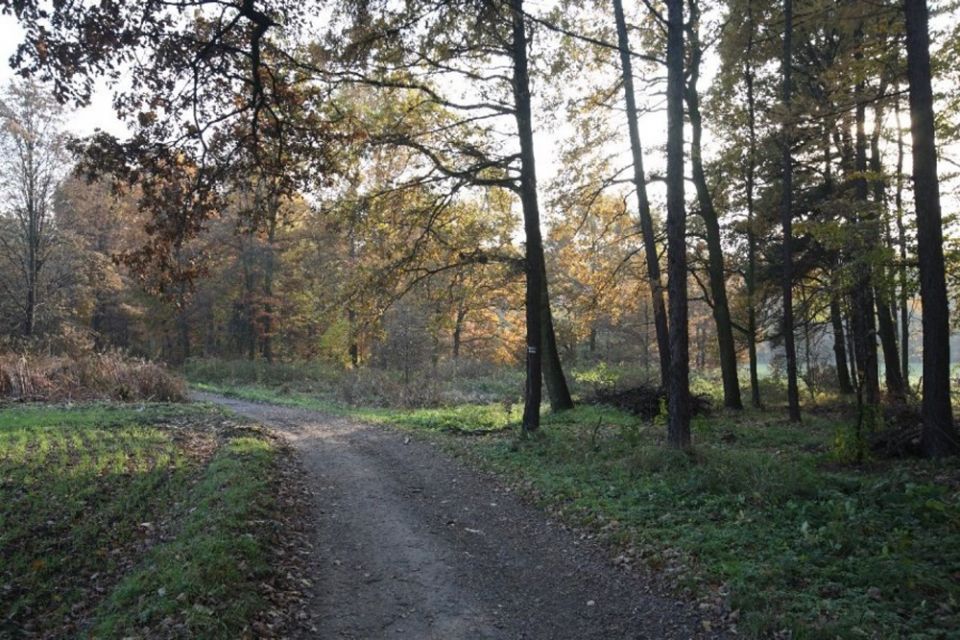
column 839, row 350
column 786, row 217
column 939, row 432
column 30, row 310
column 751, row 279
column 904, row 293
column 33, row 258
column 531, row 221
column 715, row 267
column 353, row 348
column 678, row 423
column 643, row 202
column 886, row 325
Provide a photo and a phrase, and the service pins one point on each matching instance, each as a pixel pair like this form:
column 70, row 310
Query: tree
column 678, row 424
column 34, row 162
column 643, row 201
column 786, row 215
column 939, row 437
column 716, row 271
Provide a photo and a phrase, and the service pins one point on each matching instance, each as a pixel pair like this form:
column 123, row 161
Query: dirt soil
column 410, row 543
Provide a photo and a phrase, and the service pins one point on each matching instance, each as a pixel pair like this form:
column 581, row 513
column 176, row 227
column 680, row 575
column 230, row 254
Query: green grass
column 112, row 515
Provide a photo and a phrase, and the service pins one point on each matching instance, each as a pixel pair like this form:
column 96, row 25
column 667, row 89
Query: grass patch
column 118, row 521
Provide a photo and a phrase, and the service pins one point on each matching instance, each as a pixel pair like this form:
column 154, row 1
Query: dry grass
column 89, row 376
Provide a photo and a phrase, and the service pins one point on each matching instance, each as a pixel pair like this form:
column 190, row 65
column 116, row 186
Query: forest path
column 411, row 544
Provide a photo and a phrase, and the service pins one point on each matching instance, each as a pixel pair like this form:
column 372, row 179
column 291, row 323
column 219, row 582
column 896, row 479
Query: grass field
column 763, row 521
column 120, row 521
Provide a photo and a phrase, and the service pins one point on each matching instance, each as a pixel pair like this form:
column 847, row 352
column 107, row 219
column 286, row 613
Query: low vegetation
column 122, row 521
column 447, row 384
column 86, row 375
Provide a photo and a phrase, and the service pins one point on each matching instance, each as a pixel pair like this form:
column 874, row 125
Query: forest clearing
column 479, row 319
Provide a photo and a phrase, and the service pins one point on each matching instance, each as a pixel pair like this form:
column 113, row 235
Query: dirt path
column 410, row 544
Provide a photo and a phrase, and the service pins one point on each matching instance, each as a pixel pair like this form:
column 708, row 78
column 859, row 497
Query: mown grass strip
column 204, row 582
column 112, row 525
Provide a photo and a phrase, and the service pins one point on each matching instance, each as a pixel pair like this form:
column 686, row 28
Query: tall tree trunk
column 269, row 272
column 678, row 423
column 836, row 313
column 715, row 268
column 839, row 350
column 643, row 202
column 939, row 432
column 531, row 220
column 751, row 279
column 786, row 216
column 557, row 389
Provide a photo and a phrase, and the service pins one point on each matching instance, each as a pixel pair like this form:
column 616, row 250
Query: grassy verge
column 465, row 417
column 762, row 511
column 123, row 522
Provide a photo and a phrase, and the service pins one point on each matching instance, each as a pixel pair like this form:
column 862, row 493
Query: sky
column 81, row 122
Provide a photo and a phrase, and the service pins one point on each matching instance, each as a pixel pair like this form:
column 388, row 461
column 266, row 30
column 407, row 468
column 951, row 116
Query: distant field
column 118, row 521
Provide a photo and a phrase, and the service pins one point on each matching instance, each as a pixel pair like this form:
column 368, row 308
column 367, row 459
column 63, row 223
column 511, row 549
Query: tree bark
column 643, row 202
column 939, row 437
column 678, row 423
column 531, row 221
column 557, row 389
column 715, row 267
column 786, row 217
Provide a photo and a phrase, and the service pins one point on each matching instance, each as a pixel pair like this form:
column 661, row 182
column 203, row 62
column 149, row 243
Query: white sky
column 98, row 115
